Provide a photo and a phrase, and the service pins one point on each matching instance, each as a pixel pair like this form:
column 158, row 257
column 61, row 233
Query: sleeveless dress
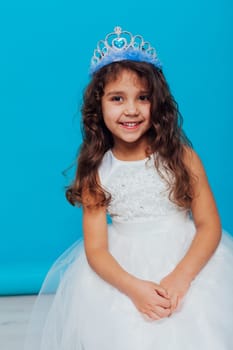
column 148, row 236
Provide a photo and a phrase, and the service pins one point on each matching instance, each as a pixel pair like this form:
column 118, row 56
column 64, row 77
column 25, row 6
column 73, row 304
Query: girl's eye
column 144, row 98
column 117, row 98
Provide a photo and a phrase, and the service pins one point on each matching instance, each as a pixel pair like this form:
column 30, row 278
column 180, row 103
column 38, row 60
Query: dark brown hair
column 165, row 137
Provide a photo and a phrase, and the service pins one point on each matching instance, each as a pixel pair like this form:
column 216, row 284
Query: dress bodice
column 138, row 192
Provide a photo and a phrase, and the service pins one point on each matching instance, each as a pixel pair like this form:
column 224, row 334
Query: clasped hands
column 156, row 301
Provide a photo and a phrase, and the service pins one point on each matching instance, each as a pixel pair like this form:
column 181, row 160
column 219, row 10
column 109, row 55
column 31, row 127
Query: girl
column 159, row 276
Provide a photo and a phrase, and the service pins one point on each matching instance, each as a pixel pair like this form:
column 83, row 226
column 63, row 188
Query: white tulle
column 77, row 310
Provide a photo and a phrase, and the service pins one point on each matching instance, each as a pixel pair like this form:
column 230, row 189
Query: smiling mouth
column 130, row 125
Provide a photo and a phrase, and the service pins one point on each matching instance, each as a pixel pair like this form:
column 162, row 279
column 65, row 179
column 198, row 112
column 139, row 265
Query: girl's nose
column 131, row 109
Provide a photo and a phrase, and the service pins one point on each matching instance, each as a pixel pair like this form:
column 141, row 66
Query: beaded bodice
column 138, row 192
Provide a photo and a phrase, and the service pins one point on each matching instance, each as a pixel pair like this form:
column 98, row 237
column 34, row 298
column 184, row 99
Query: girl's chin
column 130, row 139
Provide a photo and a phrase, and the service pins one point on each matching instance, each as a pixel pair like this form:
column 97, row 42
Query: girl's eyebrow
column 110, row 93
column 115, row 93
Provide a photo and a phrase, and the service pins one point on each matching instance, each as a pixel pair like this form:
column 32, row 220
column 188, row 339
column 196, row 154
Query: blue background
column 45, row 49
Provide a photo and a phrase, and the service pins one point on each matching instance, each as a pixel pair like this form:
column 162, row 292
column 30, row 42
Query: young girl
column 160, row 275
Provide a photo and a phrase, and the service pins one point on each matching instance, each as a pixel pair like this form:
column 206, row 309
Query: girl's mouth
column 130, row 125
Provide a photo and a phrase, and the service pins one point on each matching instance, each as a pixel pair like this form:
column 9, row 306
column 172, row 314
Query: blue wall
column 45, row 53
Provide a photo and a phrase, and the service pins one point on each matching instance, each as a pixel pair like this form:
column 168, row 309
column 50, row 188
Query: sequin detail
column 138, row 192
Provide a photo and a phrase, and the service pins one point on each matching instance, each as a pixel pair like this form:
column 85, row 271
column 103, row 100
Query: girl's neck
column 130, row 153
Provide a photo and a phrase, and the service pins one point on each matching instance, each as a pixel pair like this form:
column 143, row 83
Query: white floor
column 14, row 315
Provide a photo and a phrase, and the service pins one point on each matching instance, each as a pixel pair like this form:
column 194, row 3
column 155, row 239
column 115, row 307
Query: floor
column 14, row 316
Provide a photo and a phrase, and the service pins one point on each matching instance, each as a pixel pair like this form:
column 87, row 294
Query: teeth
column 130, row 124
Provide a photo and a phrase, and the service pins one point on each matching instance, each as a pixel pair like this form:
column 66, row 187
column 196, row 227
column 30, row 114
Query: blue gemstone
column 98, row 54
column 104, row 50
column 151, row 52
column 145, row 46
column 119, row 43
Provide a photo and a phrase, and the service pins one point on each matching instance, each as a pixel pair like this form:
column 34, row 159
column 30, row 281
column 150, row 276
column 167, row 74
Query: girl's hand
column 150, row 299
column 176, row 286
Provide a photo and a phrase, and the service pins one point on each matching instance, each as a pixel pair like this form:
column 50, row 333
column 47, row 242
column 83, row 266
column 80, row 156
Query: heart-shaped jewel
column 119, row 43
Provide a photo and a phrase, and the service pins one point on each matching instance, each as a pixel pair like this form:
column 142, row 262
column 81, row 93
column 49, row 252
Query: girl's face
column 126, row 109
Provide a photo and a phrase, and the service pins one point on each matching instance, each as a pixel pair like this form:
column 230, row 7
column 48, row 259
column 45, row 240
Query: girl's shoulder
column 105, row 166
column 192, row 161
column 106, row 161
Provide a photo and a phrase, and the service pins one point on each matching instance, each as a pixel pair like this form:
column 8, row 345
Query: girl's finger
column 153, row 315
column 174, row 302
column 165, row 303
column 161, row 312
column 146, row 318
column 162, row 292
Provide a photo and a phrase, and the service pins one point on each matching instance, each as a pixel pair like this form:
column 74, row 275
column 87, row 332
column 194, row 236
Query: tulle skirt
column 77, row 310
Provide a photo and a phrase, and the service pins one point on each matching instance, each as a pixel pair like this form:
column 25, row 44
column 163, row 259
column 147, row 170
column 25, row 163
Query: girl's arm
column 149, row 298
column 207, row 237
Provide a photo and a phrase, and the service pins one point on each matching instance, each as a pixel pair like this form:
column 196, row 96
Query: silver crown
column 121, row 45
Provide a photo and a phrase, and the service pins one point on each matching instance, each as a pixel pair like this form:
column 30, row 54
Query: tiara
column 122, row 45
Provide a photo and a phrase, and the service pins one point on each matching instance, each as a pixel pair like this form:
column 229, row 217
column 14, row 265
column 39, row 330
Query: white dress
column 148, row 236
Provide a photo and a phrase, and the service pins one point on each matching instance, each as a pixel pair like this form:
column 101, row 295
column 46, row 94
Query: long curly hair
column 165, row 136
